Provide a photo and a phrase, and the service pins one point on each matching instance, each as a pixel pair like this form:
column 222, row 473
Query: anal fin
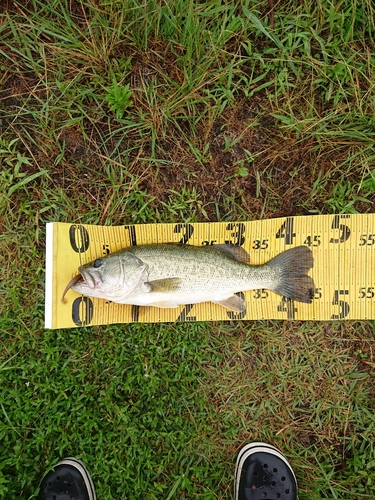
column 233, row 303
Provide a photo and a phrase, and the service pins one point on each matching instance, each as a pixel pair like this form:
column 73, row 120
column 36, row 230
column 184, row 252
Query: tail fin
column 292, row 267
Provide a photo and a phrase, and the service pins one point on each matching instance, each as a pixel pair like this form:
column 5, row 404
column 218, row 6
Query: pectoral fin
column 165, row 285
column 234, row 303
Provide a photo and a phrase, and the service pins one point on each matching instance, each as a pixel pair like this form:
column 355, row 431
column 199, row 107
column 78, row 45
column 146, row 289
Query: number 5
column 344, row 306
column 345, row 231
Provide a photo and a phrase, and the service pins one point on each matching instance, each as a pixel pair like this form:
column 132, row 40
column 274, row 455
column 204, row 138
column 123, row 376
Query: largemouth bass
column 169, row 275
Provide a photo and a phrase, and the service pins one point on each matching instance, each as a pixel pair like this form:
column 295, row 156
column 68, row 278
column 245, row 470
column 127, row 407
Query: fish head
column 114, row 277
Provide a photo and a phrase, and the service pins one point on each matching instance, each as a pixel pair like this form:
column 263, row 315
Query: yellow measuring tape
column 343, row 247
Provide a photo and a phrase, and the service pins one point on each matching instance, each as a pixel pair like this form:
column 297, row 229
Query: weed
column 241, row 170
column 344, row 198
column 185, row 206
column 119, row 98
column 12, row 178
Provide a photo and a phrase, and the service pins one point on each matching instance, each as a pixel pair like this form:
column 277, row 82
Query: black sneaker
column 262, row 472
column 68, row 480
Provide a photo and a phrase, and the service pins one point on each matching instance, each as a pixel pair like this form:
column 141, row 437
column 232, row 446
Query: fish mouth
column 87, row 279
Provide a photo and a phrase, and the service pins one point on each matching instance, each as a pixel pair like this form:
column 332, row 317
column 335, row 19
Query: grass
column 119, row 112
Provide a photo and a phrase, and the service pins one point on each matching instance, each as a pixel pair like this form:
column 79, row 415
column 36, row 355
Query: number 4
column 286, row 231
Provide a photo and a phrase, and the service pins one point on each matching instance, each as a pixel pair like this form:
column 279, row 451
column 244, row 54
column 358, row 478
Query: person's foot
column 69, row 480
column 262, row 472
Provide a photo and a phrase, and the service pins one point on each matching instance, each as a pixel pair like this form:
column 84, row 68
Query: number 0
column 82, row 311
column 79, row 238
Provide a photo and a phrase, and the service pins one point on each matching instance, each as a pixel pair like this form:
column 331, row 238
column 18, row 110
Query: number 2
column 187, row 230
column 184, row 315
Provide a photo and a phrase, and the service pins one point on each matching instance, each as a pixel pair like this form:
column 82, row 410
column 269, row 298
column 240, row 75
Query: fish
column 169, row 275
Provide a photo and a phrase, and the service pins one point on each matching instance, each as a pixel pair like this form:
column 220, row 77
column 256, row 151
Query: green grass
column 120, row 112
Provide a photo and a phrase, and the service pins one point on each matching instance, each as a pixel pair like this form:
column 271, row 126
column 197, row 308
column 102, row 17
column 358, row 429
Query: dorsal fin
column 235, row 252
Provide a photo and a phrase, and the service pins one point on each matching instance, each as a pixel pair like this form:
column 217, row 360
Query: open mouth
column 73, row 281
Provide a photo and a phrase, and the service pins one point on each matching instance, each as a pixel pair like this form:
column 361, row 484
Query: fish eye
column 98, row 263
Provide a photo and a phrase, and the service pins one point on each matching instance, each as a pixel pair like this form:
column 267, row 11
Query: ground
column 230, row 117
